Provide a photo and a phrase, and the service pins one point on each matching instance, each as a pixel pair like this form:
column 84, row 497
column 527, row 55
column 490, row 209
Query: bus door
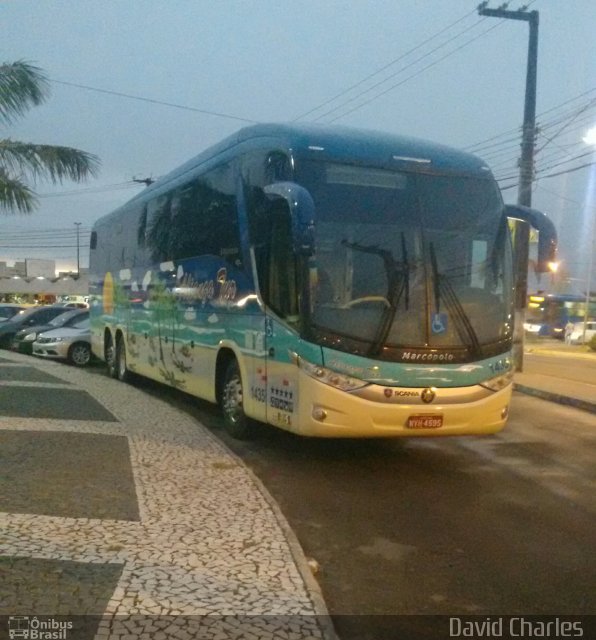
column 279, row 289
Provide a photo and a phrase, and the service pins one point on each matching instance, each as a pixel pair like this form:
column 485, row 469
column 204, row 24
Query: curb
column 313, row 588
column 563, row 354
column 584, row 405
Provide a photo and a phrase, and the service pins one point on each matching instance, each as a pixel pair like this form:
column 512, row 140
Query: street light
column 589, row 139
column 553, row 267
column 78, row 225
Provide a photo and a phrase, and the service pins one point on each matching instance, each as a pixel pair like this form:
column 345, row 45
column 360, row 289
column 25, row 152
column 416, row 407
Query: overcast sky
column 260, row 60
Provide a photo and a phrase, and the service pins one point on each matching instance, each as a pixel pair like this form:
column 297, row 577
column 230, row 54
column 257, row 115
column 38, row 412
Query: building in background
column 36, row 281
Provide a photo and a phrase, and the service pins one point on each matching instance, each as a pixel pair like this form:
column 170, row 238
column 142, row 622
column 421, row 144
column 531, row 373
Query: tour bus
column 329, row 281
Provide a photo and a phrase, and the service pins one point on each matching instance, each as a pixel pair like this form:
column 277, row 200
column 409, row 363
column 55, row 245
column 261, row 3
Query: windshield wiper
column 464, row 326
column 398, row 276
column 406, row 269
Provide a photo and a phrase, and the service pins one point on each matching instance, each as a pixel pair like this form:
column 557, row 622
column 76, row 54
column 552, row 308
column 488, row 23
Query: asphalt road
column 500, row 525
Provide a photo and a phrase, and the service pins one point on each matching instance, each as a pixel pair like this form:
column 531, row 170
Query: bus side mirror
column 302, row 213
column 547, row 234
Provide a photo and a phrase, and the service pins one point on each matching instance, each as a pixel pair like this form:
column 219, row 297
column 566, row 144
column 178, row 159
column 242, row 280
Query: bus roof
column 332, row 143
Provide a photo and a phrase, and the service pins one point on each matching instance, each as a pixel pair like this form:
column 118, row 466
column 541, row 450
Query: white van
column 577, row 335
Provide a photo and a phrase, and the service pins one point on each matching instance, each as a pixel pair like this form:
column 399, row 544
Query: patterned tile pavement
column 123, row 507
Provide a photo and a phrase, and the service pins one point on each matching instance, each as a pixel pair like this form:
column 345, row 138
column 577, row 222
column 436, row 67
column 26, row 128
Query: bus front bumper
column 328, row 412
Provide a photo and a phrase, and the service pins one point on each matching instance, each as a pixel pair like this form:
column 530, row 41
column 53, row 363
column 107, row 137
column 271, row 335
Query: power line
column 540, row 131
column 428, row 66
column 507, row 141
column 389, row 64
column 39, row 246
column 566, row 124
column 130, row 96
column 560, row 173
column 554, row 155
column 99, row 189
column 382, row 93
column 39, row 239
column 550, row 175
column 40, row 229
column 40, row 234
column 558, row 195
column 543, row 113
column 378, row 95
column 546, row 162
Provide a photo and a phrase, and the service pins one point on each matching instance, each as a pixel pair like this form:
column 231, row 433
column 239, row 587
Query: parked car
column 28, row 318
column 72, row 343
column 533, row 327
column 24, row 339
column 577, row 335
column 9, row 309
column 73, row 304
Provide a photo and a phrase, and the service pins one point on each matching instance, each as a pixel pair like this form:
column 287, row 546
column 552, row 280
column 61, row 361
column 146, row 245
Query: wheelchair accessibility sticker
column 439, row 323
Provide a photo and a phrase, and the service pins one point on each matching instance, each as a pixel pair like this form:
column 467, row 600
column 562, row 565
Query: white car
column 532, row 327
column 577, row 335
column 70, row 343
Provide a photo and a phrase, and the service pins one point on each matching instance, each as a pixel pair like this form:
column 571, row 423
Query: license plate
column 425, row 422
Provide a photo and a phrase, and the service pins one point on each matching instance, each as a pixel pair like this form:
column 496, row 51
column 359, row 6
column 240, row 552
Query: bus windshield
column 407, row 259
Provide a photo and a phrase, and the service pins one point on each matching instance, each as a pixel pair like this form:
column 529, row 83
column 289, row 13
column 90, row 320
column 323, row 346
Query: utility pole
column 146, row 181
column 589, row 279
column 78, row 226
column 521, row 238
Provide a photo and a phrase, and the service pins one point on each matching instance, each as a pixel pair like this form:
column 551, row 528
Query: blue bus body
column 328, row 281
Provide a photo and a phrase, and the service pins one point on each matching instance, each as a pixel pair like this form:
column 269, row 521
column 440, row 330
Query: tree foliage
column 23, row 86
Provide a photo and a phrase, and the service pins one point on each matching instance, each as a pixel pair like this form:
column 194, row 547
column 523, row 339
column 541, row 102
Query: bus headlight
column 499, row 382
column 338, row 380
column 30, row 337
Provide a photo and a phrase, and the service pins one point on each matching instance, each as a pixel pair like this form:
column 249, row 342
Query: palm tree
column 23, row 86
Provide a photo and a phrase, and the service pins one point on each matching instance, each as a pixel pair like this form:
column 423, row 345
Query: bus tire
column 122, row 372
column 110, row 356
column 236, row 422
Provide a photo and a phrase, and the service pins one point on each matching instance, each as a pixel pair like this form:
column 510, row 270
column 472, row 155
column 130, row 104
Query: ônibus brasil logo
column 34, row 628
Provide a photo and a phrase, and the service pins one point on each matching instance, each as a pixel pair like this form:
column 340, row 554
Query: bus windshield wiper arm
column 398, row 275
column 463, row 324
column 436, row 277
column 406, row 269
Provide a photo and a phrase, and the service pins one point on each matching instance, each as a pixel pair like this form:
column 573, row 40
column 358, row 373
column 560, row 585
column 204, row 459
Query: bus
column 328, row 281
column 547, row 314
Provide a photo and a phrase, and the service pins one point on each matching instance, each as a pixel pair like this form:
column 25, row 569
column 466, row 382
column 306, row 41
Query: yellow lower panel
column 348, row 416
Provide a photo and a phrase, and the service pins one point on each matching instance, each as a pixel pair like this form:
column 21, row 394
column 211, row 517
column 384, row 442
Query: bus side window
column 198, row 218
column 142, row 229
column 218, row 215
column 158, row 234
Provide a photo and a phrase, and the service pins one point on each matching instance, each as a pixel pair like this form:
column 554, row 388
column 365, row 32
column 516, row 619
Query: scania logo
column 388, row 393
column 428, row 395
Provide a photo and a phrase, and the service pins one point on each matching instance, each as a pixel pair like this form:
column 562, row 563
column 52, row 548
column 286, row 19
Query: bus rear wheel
column 236, row 422
column 110, row 356
column 122, row 372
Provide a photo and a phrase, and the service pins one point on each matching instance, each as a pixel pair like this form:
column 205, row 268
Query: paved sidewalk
column 120, row 506
column 561, row 373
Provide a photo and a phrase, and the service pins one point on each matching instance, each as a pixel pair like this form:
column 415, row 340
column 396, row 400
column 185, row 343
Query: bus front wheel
column 236, row 422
